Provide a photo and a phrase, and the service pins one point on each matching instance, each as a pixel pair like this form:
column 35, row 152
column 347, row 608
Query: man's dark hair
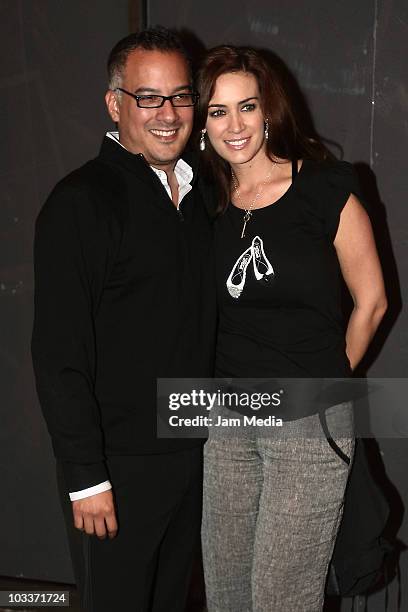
column 153, row 39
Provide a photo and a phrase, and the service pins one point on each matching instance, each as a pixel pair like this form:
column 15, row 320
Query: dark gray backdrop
column 349, row 58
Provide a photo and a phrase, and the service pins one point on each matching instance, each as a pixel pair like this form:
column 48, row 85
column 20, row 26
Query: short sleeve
column 325, row 189
column 340, row 181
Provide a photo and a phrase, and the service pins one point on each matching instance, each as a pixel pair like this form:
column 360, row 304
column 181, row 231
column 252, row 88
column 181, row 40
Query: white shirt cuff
column 99, row 488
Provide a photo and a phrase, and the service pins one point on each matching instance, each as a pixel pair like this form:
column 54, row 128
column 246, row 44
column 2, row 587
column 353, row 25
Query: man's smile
column 165, row 135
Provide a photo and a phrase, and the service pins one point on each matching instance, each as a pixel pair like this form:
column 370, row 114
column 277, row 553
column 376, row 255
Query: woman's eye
column 216, row 113
column 248, row 107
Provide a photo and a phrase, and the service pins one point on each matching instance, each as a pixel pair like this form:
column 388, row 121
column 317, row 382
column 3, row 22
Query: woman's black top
column 279, row 287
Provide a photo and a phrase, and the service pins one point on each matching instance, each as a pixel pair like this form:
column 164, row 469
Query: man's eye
column 150, row 99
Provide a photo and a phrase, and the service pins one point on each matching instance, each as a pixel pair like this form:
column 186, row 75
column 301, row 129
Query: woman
column 289, row 223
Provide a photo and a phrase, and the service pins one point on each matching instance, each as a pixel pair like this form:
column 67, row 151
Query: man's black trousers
column 146, row 568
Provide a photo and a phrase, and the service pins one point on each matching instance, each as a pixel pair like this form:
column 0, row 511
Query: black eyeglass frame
column 195, row 96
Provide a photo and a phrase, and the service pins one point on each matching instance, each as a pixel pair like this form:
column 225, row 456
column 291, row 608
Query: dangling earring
column 202, row 140
column 266, row 131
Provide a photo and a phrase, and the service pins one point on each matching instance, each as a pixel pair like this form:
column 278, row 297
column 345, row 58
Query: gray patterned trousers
column 272, row 508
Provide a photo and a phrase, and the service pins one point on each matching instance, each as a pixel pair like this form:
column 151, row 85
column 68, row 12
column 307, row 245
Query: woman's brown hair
column 286, row 139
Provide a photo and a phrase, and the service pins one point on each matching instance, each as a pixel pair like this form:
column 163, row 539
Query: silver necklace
column 248, row 209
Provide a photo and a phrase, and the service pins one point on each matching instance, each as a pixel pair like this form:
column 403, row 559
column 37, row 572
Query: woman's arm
column 362, row 273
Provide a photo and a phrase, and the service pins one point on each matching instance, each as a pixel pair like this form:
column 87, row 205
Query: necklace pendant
column 247, row 216
column 248, row 211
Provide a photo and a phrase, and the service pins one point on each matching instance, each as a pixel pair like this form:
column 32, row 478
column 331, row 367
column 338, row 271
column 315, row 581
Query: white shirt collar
column 182, row 170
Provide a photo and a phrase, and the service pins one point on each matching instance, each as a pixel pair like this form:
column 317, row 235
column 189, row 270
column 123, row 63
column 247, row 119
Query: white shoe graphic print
column 261, row 264
column 237, row 278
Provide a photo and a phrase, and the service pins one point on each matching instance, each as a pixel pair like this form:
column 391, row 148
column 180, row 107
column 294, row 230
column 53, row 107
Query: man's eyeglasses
column 153, row 101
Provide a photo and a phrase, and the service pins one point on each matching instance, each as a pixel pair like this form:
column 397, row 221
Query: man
column 124, row 295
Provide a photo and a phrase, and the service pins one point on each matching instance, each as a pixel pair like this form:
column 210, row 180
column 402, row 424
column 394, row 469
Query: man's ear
column 112, row 105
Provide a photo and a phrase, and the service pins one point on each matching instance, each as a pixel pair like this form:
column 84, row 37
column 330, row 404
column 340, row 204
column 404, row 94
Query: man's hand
column 96, row 515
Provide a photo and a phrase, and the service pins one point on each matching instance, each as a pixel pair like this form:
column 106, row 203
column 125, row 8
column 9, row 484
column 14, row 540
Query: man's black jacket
column 124, row 293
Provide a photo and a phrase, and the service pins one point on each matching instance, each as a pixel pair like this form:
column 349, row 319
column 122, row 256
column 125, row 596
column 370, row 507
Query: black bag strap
column 332, row 443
